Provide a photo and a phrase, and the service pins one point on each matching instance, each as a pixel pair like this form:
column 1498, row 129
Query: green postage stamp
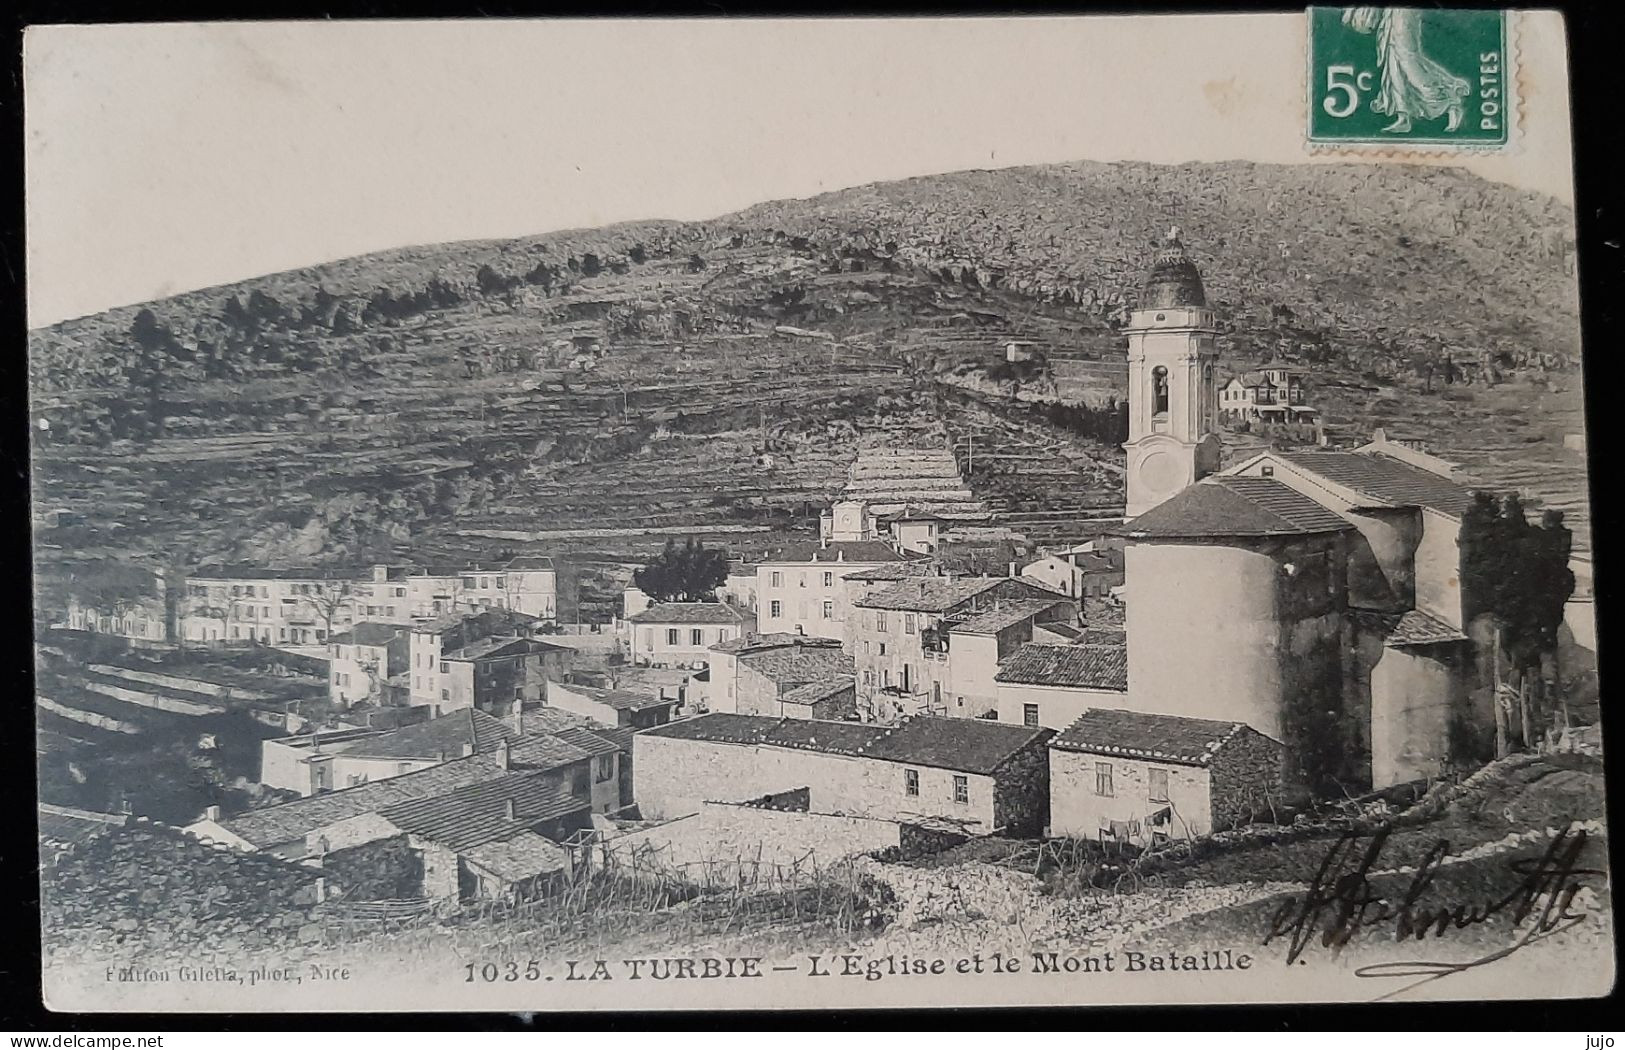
column 1403, row 77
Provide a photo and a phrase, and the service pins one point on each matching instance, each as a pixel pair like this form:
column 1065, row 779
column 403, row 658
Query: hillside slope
column 593, row 390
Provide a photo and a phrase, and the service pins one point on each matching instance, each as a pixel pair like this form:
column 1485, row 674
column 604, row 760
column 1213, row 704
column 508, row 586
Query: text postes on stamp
column 1403, row 78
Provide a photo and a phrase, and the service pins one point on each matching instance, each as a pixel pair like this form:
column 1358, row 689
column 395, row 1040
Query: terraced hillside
column 592, row 392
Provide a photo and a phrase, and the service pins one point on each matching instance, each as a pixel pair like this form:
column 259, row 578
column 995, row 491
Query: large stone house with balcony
column 932, row 643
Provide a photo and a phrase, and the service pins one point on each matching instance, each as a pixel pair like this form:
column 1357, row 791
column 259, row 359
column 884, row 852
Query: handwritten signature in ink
column 1340, row 901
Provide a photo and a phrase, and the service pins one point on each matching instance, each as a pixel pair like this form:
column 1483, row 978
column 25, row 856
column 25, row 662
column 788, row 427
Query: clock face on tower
column 1160, row 471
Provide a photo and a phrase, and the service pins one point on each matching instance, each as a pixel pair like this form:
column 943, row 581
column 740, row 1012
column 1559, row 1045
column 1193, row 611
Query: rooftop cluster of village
column 1243, row 639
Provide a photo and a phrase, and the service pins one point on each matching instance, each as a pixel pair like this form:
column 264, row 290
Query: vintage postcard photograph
column 617, row 515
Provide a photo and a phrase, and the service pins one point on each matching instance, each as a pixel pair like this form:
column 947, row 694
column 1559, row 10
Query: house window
column 1103, row 778
column 1158, row 782
column 1267, row 471
column 1159, row 391
column 606, row 768
column 445, row 668
column 579, row 778
column 696, row 636
column 775, row 609
column 880, row 622
column 1029, row 714
column 775, row 579
column 403, row 767
column 829, row 579
column 868, row 677
column 911, row 782
column 445, row 694
column 829, row 610
column 866, row 647
column 882, row 648
column 908, row 623
column 671, row 636
column 803, row 580
column 961, row 790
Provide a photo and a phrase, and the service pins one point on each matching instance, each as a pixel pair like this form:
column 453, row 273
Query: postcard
column 750, row 514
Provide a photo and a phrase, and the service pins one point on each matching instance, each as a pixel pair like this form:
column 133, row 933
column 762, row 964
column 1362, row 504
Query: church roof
column 1173, row 281
column 1233, row 506
column 1386, row 480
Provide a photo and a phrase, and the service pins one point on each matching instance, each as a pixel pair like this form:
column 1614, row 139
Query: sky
column 164, row 158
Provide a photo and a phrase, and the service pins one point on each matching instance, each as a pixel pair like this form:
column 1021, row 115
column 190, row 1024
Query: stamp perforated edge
column 1511, row 21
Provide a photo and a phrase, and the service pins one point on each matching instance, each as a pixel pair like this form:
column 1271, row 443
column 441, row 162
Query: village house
column 362, row 660
column 911, row 530
column 1082, row 571
column 680, row 634
column 802, row 589
column 1051, row 685
column 794, row 681
column 901, row 637
column 724, row 662
column 489, row 660
column 444, row 820
column 624, row 708
column 1141, row 779
column 333, row 759
column 983, row 777
column 1273, row 393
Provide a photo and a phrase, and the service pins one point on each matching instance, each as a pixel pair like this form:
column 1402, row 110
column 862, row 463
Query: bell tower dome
column 1172, row 438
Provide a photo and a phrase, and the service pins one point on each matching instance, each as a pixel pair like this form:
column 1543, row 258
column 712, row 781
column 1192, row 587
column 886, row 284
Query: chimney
column 518, row 719
column 823, row 543
column 212, row 813
column 442, row 755
column 467, row 748
column 1012, row 570
column 510, row 809
column 504, row 754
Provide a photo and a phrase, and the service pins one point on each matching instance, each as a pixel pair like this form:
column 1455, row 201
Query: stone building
column 490, row 660
column 914, row 653
column 725, row 660
column 979, row 775
column 1143, row 779
column 1051, row 685
column 622, row 708
column 680, row 634
column 362, row 660
column 801, row 589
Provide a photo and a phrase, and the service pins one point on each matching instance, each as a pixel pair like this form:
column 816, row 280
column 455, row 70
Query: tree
column 690, row 573
column 1516, row 575
column 326, row 600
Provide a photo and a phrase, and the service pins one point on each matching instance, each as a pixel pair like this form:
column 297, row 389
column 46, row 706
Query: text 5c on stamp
column 1401, row 77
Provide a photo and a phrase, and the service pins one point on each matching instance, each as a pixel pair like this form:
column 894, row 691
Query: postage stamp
column 1156, row 570
column 1402, row 77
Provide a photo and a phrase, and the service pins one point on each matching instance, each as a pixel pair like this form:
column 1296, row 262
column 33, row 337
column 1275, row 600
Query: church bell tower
column 1173, row 400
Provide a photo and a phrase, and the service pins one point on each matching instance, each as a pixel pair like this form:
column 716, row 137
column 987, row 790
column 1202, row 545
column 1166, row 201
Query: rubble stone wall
column 388, row 869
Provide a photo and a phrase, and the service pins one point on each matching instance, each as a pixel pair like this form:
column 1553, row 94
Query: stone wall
column 1021, row 791
column 1246, row 779
column 388, row 869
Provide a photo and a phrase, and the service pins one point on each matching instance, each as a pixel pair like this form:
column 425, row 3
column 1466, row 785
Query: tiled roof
column 594, row 740
column 1005, row 614
column 1232, row 506
column 302, row 573
column 689, row 612
column 294, row 820
column 1158, row 738
column 928, row 593
column 67, row 825
column 1075, row 666
column 445, row 735
column 522, row 855
column 493, row 618
column 838, row 551
column 368, row 633
column 1386, row 480
column 813, row 692
column 1411, row 628
column 1070, row 631
column 620, row 699
column 903, row 570
column 763, row 642
column 793, row 666
column 969, row 745
column 478, row 814
column 493, row 648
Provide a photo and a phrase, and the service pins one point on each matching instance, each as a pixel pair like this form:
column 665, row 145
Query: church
column 1312, row 596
